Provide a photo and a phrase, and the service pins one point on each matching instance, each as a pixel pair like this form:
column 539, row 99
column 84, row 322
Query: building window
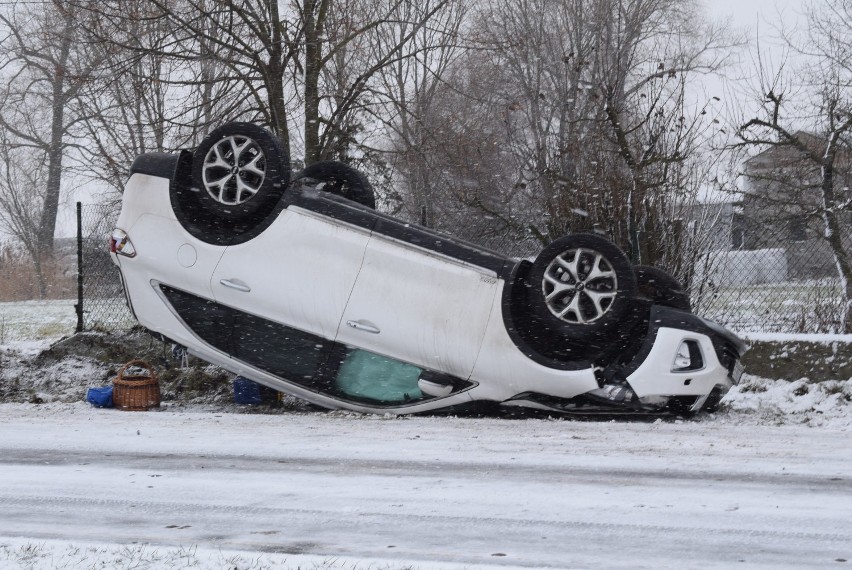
column 797, row 229
column 738, row 230
column 737, row 238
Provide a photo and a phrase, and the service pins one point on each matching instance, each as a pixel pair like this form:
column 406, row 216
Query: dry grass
column 19, row 281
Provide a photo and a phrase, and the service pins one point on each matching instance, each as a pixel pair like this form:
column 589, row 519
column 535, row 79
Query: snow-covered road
column 429, row 492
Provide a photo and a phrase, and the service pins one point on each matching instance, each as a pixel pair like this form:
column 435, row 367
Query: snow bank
column 766, row 401
column 824, row 338
column 55, row 554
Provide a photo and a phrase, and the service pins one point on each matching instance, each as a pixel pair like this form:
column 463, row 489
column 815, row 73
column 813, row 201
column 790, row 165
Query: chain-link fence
column 749, row 274
column 760, row 291
column 752, row 277
column 772, row 266
column 104, row 306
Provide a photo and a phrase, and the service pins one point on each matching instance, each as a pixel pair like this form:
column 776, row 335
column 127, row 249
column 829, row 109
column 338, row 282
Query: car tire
column 581, row 289
column 661, row 288
column 240, row 170
column 340, row 179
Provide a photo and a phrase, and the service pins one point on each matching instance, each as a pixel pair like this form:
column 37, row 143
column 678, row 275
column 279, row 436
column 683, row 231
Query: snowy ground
column 162, row 489
column 27, row 320
column 203, row 483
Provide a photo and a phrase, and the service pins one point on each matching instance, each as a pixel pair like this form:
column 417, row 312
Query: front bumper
column 652, row 372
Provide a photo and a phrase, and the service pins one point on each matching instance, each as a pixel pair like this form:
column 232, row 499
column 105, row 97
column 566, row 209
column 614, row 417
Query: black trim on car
column 177, row 168
column 445, row 245
column 350, row 212
column 589, row 405
column 160, row 164
column 330, row 205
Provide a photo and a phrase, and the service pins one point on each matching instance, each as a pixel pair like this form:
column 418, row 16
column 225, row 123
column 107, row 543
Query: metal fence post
column 79, row 306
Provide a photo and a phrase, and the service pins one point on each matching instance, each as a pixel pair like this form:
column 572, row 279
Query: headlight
column 688, row 357
column 119, row 243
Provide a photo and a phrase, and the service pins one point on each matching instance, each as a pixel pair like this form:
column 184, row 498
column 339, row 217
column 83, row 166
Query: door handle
column 366, row 327
column 235, row 284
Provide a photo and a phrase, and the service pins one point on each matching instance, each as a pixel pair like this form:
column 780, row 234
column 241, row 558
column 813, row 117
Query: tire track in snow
column 393, row 467
column 49, row 505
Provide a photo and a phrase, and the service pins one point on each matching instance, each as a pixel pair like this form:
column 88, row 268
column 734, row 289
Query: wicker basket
column 136, row 393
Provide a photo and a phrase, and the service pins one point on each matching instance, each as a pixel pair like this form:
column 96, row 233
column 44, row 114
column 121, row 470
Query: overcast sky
column 748, row 12
column 757, row 16
column 760, row 20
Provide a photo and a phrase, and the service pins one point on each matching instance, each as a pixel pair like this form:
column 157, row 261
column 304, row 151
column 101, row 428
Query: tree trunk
column 47, row 224
column 314, row 17
column 275, row 80
column 42, row 281
column 834, row 237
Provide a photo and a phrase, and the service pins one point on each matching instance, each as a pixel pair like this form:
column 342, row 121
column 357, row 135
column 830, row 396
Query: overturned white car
column 302, row 286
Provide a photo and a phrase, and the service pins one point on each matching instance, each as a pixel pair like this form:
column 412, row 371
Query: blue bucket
column 246, row 391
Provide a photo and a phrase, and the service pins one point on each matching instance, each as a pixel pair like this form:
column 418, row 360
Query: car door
column 299, row 272
column 419, row 306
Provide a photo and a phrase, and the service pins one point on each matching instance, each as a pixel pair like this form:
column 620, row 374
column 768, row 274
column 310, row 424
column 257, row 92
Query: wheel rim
column 579, row 286
column 234, row 170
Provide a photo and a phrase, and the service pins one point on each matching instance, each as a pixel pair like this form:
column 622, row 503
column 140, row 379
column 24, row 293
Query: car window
column 212, row 322
column 281, row 350
column 284, row 351
column 366, row 376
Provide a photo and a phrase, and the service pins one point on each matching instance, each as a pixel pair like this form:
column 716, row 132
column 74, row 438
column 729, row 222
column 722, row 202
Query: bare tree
column 812, row 128
column 23, row 174
column 406, row 93
column 657, row 49
column 601, row 89
column 307, row 63
column 142, row 101
column 459, row 174
column 44, row 73
column 583, row 116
